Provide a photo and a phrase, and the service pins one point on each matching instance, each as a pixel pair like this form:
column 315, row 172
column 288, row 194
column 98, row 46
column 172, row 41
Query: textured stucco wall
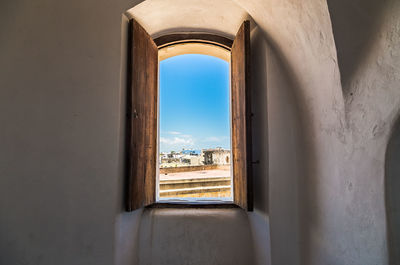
column 353, row 224
column 277, row 148
column 195, row 236
column 59, row 136
column 285, row 162
column 61, row 101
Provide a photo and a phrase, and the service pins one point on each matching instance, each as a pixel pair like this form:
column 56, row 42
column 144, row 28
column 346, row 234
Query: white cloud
column 177, row 141
column 173, row 140
column 173, row 133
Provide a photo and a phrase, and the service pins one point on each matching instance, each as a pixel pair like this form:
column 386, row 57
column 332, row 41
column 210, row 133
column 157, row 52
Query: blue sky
column 194, row 103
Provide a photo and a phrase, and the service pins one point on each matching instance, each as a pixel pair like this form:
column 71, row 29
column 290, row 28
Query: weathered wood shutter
column 142, row 114
column 241, row 118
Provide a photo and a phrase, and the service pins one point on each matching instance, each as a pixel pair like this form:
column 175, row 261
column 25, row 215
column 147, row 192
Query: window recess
column 142, row 113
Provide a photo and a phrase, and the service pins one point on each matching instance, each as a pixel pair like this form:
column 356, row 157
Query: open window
column 194, row 125
column 143, row 126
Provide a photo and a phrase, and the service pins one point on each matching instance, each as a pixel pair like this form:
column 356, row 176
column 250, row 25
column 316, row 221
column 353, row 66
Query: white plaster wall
column 59, row 136
column 342, row 213
column 195, row 236
column 160, row 17
column 260, row 221
column 61, row 101
column 285, row 162
column 349, row 220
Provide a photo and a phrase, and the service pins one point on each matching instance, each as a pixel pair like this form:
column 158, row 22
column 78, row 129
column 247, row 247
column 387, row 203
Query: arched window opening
column 194, row 123
column 189, row 106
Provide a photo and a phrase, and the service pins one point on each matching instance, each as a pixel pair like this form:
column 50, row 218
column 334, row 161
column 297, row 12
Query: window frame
column 242, row 181
column 195, row 200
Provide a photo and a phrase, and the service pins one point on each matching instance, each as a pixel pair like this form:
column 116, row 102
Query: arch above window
column 194, row 43
column 194, row 48
column 193, row 37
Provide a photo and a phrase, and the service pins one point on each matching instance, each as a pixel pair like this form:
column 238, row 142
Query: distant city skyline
column 194, row 103
column 195, row 151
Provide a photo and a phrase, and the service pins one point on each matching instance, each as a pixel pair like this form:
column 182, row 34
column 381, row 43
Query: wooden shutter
column 241, row 118
column 142, row 114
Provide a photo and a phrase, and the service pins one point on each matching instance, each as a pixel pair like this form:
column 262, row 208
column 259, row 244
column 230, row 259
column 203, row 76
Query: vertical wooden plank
column 143, row 113
column 241, row 118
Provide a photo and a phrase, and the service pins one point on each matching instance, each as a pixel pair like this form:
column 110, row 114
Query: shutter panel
column 241, row 118
column 142, row 114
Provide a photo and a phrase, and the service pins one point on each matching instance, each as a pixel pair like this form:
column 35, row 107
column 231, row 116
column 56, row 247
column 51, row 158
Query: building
column 192, row 160
column 181, row 159
column 216, row 156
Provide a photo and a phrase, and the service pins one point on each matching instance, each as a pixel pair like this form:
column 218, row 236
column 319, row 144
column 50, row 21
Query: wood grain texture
column 196, row 37
column 241, row 118
column 143, row 117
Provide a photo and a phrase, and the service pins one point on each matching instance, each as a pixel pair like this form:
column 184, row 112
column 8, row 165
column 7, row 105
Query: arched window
column 144, row 136
column 194, row 117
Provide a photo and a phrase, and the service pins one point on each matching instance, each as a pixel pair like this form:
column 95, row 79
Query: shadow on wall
column 355, row 24
column 392, row 193
column 282, row 137
column 260, row 120
column 195, row 236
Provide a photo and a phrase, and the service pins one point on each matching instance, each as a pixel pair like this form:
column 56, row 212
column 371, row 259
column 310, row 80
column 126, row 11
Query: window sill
column 193, row 205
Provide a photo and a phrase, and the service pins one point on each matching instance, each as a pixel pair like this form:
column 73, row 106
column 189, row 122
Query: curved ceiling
column 160, row 17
